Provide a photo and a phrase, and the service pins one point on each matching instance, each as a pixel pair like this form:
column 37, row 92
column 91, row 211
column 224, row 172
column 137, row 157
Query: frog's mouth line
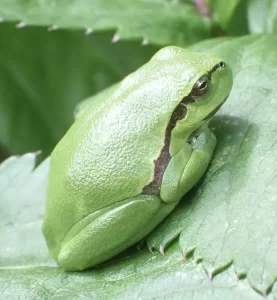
column 195, row 133
column 216, row 109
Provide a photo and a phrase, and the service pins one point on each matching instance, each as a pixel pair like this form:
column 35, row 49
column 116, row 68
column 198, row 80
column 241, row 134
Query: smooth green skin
column 95, row 207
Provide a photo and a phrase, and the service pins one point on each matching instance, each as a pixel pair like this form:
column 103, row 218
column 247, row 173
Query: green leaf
column 26, row 272
column 230, row 17
column 231, row 216
column 262, row 16
column 223, row 10
column 238, row 23
column 143, row 20
column 22, row 197
column 142, row 276
column 42, row 81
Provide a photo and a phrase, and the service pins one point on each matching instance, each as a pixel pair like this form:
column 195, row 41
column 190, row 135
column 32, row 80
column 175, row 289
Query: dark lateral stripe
column 161, row 163
column 215, row 67
column 153, row 188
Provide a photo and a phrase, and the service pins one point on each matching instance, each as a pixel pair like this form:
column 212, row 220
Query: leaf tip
column 20, row 25
column 115, row 38
column 37, row 153
column 210, row 275
column 240, row 275
column 88, row 31
column 52, row 28
column 161, row 250
column 144, row 42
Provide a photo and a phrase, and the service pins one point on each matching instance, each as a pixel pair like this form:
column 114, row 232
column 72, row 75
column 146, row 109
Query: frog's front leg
column 187, row 166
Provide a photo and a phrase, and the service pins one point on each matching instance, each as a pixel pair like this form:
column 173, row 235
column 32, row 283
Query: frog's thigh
column 187, row 167
column 111, row 232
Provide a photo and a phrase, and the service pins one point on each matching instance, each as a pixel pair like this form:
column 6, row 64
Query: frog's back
column 108, row 154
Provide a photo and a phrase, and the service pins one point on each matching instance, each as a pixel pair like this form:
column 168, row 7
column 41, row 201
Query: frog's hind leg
column 109, row 231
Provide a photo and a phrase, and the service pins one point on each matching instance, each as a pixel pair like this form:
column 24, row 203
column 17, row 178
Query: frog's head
column 204, row 83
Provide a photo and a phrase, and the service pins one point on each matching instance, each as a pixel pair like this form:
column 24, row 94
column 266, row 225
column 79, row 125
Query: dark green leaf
column 143, row 20
column 43, row 76
column 223, row 10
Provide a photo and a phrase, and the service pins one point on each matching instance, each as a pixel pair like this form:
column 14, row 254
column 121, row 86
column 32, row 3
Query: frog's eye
column 202, row 88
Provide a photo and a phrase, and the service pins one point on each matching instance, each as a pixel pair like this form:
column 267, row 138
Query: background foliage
column 54, row 54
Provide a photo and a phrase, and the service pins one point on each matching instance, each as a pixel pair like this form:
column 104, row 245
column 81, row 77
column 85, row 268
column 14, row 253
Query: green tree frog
column 132, row 155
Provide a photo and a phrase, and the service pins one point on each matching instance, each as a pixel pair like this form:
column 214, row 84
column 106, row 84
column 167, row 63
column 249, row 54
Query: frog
column 132, row 154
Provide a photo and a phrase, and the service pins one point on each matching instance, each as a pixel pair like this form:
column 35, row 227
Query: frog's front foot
column 202, row 147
